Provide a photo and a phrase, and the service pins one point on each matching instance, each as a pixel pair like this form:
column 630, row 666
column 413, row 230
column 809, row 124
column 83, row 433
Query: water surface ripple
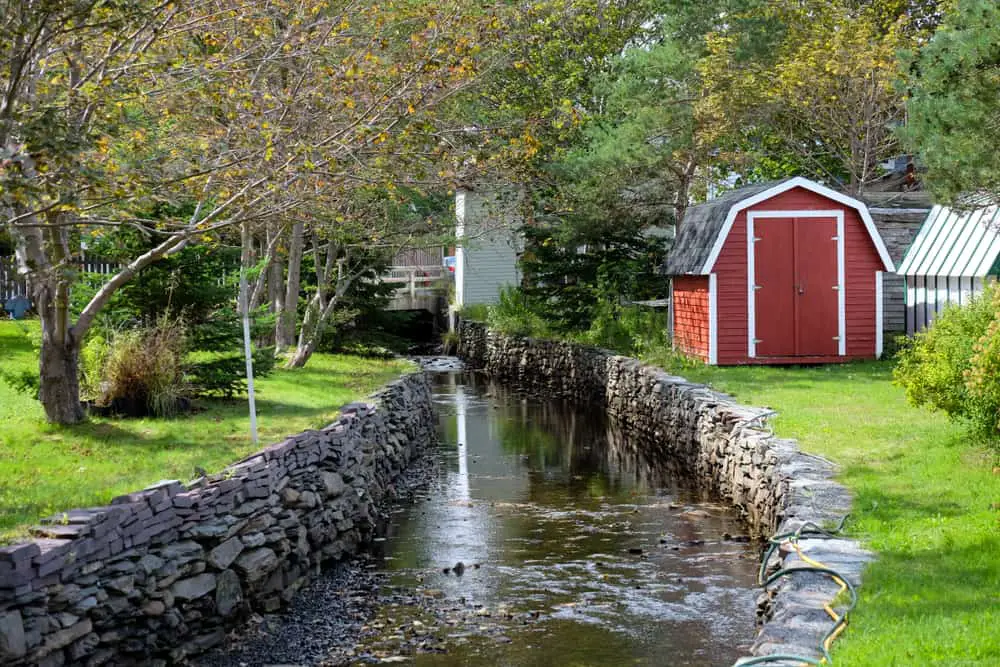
column 575, row 550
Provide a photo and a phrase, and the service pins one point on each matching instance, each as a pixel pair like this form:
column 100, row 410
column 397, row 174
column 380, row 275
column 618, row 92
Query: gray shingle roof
column 701, row 226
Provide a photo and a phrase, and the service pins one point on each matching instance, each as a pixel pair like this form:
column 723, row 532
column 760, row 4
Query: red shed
column 778, row 273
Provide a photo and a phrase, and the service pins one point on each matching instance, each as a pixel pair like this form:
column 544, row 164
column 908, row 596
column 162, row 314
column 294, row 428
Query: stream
column 574, row 550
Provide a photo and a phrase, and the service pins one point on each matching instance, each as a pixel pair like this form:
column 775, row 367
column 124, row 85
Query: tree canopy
column 954, row 114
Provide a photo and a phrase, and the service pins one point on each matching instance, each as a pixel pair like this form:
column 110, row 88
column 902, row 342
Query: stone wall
column 161, row 574
column 727, row 446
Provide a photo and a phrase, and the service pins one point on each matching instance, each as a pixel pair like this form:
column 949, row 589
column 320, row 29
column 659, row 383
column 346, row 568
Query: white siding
column 927, row 297
column 486, row 259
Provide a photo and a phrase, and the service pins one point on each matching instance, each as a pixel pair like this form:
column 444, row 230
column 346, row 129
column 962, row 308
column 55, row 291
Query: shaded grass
column 926, row 499
column 46, row 468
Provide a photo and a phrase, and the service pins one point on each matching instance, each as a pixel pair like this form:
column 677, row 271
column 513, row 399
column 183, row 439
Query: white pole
column 244, row 306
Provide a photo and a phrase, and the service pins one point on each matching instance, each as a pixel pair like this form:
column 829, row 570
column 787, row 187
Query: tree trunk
column 309, row 334
column 59, row 359
column 321, row 306
column 303, row 352
column 285, row 324
column 59, row 367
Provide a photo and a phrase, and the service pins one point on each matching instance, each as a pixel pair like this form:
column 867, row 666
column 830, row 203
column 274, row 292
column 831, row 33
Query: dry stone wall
column 161, row 574
column 728, row 447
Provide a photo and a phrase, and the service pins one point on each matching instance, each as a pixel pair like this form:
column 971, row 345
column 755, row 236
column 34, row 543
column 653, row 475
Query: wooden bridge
column 419, row 287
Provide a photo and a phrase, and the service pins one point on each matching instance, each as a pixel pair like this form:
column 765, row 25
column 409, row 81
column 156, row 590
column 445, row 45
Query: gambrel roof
column 706, row 226
column 701, row 226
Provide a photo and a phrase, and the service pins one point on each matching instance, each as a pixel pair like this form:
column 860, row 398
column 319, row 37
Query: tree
column 242, row 112
column 954, row 117
column 820, row 99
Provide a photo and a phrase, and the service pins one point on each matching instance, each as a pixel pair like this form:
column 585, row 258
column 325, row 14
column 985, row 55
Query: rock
column 333, row 484
column 123, row 585
column 254, row 540
column 83, row 647
column 308, row 499
column 66, row 619
column 635, row 551
column 154, row 608
column 149, row 564
column 67, row 636
column 194, row 587
column 289, row 496
column 459, row 569
column 12, row 643
column 257, row 564
column 223, row 555
column 228, row 593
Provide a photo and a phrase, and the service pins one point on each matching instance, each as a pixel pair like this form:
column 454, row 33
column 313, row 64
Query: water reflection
column 620, row 560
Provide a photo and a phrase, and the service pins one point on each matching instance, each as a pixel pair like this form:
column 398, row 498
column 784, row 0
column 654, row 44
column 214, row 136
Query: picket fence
column 11, row 284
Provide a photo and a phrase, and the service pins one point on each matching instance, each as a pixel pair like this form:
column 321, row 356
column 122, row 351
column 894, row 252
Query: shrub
column 449, row 342
column 935, row 368
column 225, row 376
column 513, row 314
column 475, row 312
column 628, row 329
column 143, row 370
column 982, row 379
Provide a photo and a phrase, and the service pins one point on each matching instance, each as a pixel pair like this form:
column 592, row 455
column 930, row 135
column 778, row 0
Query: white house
column 487, row 227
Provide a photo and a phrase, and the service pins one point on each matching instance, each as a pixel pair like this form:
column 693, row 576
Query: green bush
column 225, row 375
column 982, row 380
column 475, row 312
column 628, row 329
column 943, row 366
column 514, row 314
column 449, row 342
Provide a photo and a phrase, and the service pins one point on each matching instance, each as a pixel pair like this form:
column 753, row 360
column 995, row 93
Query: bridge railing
column 411, row 277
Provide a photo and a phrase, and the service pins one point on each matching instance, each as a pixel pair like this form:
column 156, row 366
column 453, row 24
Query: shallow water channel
column 575, row 550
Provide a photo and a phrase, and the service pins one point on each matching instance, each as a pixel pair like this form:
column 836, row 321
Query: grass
column 926, row 499
column 46, row 468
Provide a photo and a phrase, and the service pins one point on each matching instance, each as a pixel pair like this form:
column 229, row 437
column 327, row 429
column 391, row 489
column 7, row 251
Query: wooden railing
column 412, row 277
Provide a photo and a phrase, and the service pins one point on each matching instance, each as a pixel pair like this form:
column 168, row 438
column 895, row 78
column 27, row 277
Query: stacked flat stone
column 161, row 574
column 727, row 447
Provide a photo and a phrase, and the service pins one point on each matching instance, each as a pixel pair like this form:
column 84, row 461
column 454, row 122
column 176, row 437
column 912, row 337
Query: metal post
column 244, row 306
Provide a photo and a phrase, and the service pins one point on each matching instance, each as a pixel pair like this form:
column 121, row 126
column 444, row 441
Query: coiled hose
column 807, row 530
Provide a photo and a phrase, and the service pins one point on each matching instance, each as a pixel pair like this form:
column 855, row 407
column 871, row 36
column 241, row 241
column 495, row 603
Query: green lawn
column 926, row 499
column 45, row 469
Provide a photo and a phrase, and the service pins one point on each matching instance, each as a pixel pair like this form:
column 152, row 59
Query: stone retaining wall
column 161, row 574
column 725, row 445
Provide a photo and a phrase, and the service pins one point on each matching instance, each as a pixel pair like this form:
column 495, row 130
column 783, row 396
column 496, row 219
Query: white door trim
column 811, row 186
column 713, row 319
column 878, row 315
column 837, row 214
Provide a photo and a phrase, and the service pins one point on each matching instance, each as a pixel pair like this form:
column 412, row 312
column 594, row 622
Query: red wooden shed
column 778, row 273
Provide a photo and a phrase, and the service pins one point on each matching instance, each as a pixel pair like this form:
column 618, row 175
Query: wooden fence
column 11, row 284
